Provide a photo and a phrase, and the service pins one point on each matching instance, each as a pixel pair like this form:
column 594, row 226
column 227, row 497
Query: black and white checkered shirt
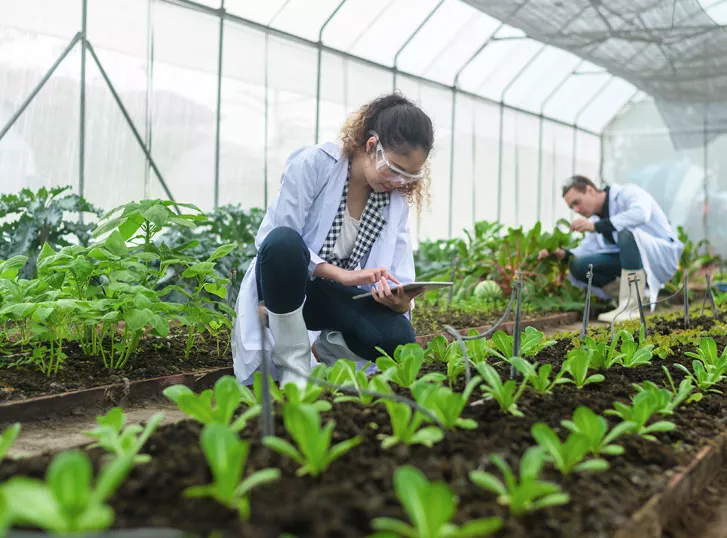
column 371, row 225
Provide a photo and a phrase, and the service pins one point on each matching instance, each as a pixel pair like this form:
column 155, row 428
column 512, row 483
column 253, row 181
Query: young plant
column 594, row 429
column 446, row 404
column 577, row 363
column 430, row 507
column 226, row 456
column 686, row 386
column 568, row 456
column 125, row 442
column 539, row 378
column 405, row 424
column 603, row 354
column 665, row 400
column 309, row 395
column 436, row 349
column 527, row 494
column 704, row 378
column 345, row 374
column 404, row 367
column 505, row 394
column 532, row 342
column 216, row 405
column 8, row 438
column 708, row 354
column 67, row 502
column 642, row 408
column 635, row 353
column 314, row 452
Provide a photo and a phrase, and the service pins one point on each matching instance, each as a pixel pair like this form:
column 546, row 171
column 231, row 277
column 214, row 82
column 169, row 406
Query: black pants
column 283, row 284
column 608, row 266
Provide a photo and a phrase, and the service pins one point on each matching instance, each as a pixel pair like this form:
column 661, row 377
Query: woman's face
column 384, row 179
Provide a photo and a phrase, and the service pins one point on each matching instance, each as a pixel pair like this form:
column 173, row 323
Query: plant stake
column 587, row 309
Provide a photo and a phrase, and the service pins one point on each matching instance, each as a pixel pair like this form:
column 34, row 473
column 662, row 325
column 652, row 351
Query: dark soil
column 358, row 487
column 156, row 357
column 705, row 516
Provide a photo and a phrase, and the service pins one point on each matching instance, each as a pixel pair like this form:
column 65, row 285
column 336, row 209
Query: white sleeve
column 301, row 182
column 637, row 208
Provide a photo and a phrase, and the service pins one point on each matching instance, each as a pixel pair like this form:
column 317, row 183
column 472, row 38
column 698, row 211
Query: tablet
column 413, row 287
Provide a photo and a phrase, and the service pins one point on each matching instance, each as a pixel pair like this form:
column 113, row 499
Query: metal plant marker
column 709, row 296
column 587, row 309
column 685, row 289
column 455, row 266
column 642, row 317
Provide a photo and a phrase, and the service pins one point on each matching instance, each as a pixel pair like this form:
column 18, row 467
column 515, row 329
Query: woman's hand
column 398, row 300
column 365, row 276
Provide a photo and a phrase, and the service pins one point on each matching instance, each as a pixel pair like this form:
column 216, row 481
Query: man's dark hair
column 579, row 183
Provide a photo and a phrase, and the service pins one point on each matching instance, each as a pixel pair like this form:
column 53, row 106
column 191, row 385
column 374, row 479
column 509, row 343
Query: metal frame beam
column 82, row 105
column 219, row 105
column 320, row 46
column 412, row 36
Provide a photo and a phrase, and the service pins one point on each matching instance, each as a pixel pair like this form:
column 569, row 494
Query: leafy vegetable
column 529, row 493
column 539, row 378
column 314, row 452
column 405, row 424
column 446, row 404
column 568, row 456
column 643, row 406
column 594, row 429
column 505, row 394
column 430, row 507
column 8, row 438
column 577, row 365
column 122, row 441
column 404, row 367
column 226, row 456
column 532, row 342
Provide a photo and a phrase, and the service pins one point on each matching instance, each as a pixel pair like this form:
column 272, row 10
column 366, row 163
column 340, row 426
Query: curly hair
column 402, row 126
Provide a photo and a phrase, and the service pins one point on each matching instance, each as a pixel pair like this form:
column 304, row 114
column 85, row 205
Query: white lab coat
column 310, row 194
column 632, row 208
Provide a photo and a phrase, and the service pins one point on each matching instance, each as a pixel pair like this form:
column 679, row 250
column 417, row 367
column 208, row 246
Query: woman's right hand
column 364, row 276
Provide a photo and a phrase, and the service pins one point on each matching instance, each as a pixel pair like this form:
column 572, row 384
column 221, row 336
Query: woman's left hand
column 398, row 300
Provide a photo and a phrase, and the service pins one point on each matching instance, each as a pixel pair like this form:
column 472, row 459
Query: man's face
column 585, row 203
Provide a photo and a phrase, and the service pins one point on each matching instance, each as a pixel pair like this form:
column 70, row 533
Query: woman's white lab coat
column 632, row 208
column 310, row 194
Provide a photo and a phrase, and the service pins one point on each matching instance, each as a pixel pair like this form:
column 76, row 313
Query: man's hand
column 398, row 300
column 559, row 254
column 582, row 225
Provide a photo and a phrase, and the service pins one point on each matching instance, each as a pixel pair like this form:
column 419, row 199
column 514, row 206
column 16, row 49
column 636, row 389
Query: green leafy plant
column 446, row 404
column 644, row 405
column 532, row 342
column 709, row 356
column 314, row 452
column 538, row 377
column 216, row 405
column 527, row 494
column 32, row 219
column 67, row 502
column 405, row 366
column 568, row 456
column 594, row 429
column 430, row 507
column 577, row 364
column 345, row 373
column 505, row 394
column 603, row 354
column 665, row 400
column 704, row 378
column 226, row 457
column 115, row 437
column 406, row 427
column 686, row 386
column 635, row 353
column 8, row 438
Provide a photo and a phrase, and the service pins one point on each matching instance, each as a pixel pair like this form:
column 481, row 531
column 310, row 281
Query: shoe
column 623, row 297
column 331, row 346
column 613, row 288
column 291, row 351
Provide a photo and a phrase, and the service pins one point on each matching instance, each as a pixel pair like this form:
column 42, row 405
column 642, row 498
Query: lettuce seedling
column 430, row 507
column 8, row 438
column 708, row 354
column 405, row 425
column 704, row 378
column 532, row 342
column 529, row 493
column 665, row 400
column 404, row 367
column 505, row 394
column 314, row 452
column 594, row 429
column 634, row 353
column 568, row 456
column 576, row 364
column 642, row 408
column 686, row 386
column 227, row 394
column 345, row 374
column 437, row 349
column 539, row 378
column 446, row 404
column 603, row 354
column 66, row 502
column 226, row 456
column 115, row 437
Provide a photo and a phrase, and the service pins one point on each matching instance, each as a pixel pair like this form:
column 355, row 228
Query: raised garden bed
column 358, row 487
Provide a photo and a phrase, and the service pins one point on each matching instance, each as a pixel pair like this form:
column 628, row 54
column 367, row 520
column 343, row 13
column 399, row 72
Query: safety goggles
column 401, row 177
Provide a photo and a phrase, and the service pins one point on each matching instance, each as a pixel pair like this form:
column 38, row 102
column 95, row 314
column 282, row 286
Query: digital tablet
column 414, row 287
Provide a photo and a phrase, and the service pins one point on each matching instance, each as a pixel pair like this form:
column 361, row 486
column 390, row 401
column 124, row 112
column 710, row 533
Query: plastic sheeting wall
column 690, row 185
column 162, row 59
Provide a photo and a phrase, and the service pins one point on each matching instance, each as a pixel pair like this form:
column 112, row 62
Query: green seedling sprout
column 115, row 437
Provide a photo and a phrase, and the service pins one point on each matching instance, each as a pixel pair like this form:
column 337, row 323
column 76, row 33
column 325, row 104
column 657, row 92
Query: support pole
column 319, row 44
column 82, row 107
column 219, row 106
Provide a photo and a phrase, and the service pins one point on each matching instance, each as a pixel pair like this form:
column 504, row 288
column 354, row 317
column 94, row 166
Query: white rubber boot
column 292, row 346
column 613, row 288
column 623, row 297
column 331, row 346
